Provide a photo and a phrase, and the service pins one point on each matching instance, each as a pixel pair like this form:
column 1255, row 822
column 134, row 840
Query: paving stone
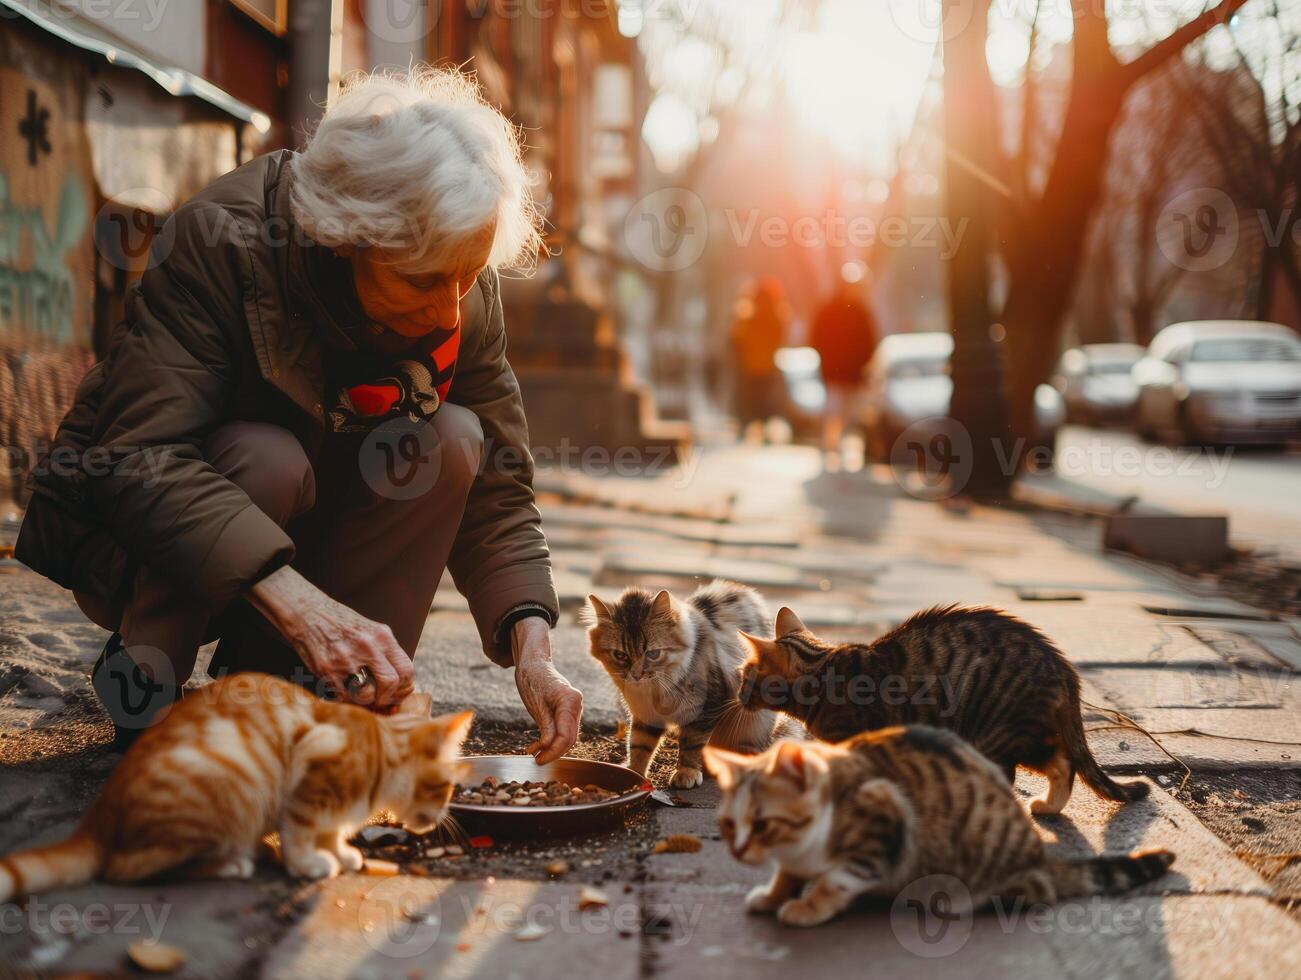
column 1091, row 825
column 709, row 933
column 362, row 927
column 620, row 566
column 222, row 927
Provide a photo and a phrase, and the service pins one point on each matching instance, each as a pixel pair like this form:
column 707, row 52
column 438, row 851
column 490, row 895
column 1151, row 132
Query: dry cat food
column 493, row 792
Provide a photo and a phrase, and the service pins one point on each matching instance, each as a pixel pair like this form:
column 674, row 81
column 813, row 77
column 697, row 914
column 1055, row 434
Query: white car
column 1221, row 381
column 907, row 382
column 1097, row 382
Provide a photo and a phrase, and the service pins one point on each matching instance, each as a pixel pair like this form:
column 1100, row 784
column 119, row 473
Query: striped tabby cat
column 992, row 678
column 885, row 810
column 675, row 663
column 244, row 756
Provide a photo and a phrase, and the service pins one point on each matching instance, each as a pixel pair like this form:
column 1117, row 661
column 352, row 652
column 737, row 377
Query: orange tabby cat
column 247, row 755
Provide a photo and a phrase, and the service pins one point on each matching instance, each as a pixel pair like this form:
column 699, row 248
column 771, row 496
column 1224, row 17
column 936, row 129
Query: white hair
column 418, row 165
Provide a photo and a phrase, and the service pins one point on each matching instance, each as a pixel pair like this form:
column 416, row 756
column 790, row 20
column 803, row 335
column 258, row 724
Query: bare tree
column 1044, row 232
column 1249, row 117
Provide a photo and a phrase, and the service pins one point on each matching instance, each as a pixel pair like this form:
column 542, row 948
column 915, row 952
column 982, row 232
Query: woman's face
column 414, row 304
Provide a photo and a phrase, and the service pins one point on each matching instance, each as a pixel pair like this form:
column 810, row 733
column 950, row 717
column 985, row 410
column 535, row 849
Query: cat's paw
column 1045, row 807
column 314, row 864
column 350, row 859
column 236, row 867
column 761, row 901
column 687, row 778
column 801, row 912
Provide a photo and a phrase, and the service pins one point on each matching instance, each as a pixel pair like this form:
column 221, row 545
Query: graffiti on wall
column 46, row 262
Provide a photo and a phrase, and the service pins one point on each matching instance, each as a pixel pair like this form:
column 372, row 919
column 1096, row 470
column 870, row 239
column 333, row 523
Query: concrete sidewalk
column 852, row 554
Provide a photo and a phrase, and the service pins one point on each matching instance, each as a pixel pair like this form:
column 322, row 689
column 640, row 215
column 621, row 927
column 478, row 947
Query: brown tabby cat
column 885, row 810
column 247, row 755
column 992, row 678
column 674, row 663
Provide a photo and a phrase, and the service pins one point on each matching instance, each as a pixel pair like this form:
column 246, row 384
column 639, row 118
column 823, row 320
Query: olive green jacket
column 227, row 325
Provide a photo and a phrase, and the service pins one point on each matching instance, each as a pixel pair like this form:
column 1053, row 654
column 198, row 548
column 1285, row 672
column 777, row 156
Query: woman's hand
column 555, row 704
column 335, row 641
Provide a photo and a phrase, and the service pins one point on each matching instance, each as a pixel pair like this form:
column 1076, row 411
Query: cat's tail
column 1071, row 728
column 69, row 862
column 1108, row 874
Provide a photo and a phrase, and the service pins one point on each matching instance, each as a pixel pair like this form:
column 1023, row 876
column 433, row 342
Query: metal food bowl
column 550, row 821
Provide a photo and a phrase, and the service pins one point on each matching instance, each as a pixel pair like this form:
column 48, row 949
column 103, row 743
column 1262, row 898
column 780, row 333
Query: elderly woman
column 308, row 414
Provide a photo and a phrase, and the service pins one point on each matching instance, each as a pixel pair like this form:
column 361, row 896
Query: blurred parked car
column 1221, row 381
column 908, row 382
column 1097, row 384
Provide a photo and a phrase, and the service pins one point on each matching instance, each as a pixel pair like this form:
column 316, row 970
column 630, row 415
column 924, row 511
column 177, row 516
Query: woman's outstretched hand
column 555, row 704
column 334, row 641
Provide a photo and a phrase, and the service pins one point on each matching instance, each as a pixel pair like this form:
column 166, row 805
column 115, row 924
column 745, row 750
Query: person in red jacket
column 844, row 335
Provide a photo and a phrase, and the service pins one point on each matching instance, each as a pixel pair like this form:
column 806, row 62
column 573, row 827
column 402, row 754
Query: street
column 1258, row 489
column 853, row 554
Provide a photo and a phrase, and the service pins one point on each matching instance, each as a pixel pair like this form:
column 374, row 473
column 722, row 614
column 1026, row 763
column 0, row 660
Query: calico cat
column 992, row 678
column 675, row 663
column 247, row 755
column 885, row 810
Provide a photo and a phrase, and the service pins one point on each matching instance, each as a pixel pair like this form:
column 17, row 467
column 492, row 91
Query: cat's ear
column 418, row 704
column 599, row 611
column 451, row 732
column 723, row 765
column 662, row 604
column 788, row 622
column 758, row 648
column 797, row 762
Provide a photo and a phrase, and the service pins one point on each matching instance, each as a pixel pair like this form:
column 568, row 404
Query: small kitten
column 676, row 663
column 244, row 756
column 992, row 678
column 886, row 809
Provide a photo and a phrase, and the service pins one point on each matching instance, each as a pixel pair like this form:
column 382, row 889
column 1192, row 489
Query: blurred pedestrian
column 758, row 331
column 844, row 334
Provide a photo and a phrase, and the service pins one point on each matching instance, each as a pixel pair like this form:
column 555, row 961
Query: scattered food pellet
column 677, row 844
column 379, row 869
column 531, row 931
column 455, row 849
column 435, row 852
column 156, row 957
column 557, row 867
column 589, row 896
column 530, row 793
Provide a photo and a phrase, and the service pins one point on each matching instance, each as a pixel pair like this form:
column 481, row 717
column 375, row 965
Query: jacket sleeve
column 500, row 559
column 167, row 387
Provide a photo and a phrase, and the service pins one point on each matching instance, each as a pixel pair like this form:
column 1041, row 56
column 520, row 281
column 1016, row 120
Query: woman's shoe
column 131, row 697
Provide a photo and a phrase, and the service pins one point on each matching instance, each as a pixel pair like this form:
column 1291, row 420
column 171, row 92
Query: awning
column 175, row 81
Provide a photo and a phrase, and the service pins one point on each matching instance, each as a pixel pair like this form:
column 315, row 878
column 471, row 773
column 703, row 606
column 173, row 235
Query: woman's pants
column 379, row 549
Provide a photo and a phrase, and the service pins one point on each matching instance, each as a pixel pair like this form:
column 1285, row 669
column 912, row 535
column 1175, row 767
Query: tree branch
column 1163, row 51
